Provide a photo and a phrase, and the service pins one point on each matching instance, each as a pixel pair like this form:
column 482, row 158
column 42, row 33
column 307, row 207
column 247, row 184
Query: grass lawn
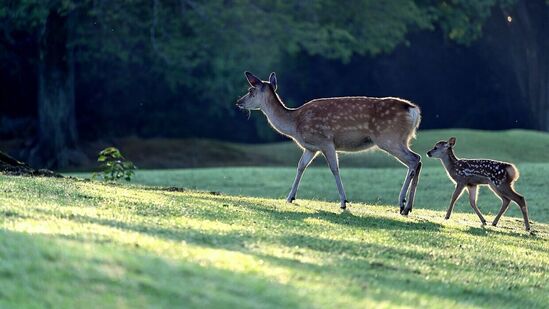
column 67, row 243
column 378, row 186
column 511, row 145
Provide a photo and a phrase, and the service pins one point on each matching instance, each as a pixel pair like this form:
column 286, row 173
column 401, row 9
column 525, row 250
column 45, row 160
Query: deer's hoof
column 344, row 204
column 446, row 218
column 494, row 223
column 402, row 205
column 405, row 211
column 290, row 199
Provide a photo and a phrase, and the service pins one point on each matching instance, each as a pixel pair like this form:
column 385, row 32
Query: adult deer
column 348, row 124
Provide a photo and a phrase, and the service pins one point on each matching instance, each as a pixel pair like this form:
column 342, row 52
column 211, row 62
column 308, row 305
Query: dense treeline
column 87, row 70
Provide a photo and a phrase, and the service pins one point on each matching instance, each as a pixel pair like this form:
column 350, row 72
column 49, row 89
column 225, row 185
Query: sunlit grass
column 67, row 243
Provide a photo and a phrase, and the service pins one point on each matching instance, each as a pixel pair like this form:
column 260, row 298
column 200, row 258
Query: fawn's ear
column 253, row 80
column 272, row 80
column 452, row 141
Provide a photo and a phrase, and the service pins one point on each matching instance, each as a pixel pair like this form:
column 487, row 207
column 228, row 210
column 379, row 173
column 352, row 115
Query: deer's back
column 491, row 171
column 353, row 122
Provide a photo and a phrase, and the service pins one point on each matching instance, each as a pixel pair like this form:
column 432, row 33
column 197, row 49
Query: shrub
column 114, row 166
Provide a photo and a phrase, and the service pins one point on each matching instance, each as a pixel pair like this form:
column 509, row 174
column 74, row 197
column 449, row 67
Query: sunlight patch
column 299, row 254
column 319, row 222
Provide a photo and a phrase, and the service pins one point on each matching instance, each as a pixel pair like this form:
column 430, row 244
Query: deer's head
column 259, row 93
column 440, row 150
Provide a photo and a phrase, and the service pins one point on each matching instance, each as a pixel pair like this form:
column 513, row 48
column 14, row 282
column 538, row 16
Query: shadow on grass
column 346, row 218
column 351, row 262
column 237, row 240
column 488, row 230
column 358, row 264
column 66, row 274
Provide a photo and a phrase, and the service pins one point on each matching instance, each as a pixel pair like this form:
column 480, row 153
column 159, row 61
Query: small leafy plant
column 114, row 166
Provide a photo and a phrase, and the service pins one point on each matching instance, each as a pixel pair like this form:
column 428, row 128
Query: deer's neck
column 279, row 116
column 450, row 162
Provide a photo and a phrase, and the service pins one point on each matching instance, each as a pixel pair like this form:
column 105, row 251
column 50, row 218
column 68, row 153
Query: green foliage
column 200, row 48
column 114, row 166
column 180, row 40
column 463, row 20
column 217, row 40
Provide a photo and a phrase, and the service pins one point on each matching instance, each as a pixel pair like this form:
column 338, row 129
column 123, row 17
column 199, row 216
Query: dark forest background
column 76, row 71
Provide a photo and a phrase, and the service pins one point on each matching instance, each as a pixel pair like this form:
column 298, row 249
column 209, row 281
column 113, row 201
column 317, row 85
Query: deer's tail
column 414, row 113
column 513, row 172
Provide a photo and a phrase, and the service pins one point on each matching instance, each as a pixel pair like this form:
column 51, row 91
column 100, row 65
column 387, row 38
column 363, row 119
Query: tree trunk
column 57, row 136
column 529, row 47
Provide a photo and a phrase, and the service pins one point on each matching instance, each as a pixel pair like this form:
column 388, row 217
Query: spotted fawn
column 499, row 176
column 333, row 125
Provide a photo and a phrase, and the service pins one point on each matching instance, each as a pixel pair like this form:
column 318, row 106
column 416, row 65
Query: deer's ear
column 452, row 141
column 272, row 80
column 253, row 80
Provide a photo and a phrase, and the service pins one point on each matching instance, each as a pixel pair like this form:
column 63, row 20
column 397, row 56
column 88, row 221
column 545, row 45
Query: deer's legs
column 304, row 162
column 455, row 196
column 331, row 157
column 413, row 188
column 404, row 189
column 473, row 194
column 413, row 161
column 506, row 190
column 524, row 210
column 504, row 206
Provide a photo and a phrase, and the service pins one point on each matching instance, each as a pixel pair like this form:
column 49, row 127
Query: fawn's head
column 258, row 93
column 440, row 150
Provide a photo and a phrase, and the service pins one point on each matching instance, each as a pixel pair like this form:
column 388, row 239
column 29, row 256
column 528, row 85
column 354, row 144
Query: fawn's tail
column 513, row 172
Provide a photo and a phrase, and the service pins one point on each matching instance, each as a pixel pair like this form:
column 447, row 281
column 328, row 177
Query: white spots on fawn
column 495, row 171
